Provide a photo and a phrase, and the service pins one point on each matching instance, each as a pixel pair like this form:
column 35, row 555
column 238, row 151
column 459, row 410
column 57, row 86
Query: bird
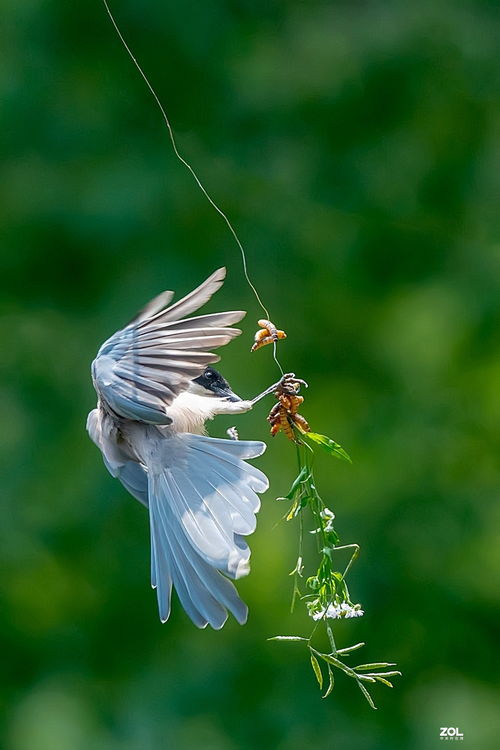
column 156, row 389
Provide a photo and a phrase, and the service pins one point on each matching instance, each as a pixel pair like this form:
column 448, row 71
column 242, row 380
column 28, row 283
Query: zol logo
column 450, row 733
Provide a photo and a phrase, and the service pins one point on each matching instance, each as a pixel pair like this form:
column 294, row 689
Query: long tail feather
column 202, row 503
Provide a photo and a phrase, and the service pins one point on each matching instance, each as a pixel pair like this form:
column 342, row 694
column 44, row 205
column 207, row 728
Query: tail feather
column 211, row 541
column 190, row 590
column 179, row 574
column 235, row 448
column 202, row 502
column 203, row 589
column 242, row 513
column 161, row 571
column 232, row 462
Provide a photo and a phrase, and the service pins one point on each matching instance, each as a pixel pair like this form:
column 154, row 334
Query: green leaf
column 287, row 638
column 329, row 445
column 385, row 682
column 367, row 695
column 337, row 663
column 375, row 665
column 317, row 671
column 294, row 510
column 348, row 649
column 340, row 585
column 302, row 475
column 331, row 683
column 332, row 537
column 331, row 639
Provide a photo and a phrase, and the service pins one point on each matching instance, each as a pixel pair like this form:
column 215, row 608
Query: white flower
column 338, row 611
column 318, row 615
column 347, row 610
column 327, row 514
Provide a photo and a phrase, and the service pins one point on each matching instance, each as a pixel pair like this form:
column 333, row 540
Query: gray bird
column 155, row 392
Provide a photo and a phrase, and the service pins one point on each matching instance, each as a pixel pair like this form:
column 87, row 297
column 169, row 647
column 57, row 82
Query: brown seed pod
column 267, row 335
column 301, row 423
column 284, row 415
column 285, row 424
column 270, row 327
column 275, row 429
column 274, row 413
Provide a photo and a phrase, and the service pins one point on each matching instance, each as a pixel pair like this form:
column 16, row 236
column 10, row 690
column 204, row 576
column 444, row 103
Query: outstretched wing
column 141, row 369
column 201, row 505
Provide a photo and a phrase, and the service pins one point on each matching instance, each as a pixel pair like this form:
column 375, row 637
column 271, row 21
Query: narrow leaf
column 348, row 649
column 293, row 510
column 367, row 695
column 375, row 665
column 331, row 639
column 317, row 671
column 287, row 638
column 337, row 663
column 329, row 445
column 331, row 683
column 385, row 682
column 296, row 483
column 365, row 677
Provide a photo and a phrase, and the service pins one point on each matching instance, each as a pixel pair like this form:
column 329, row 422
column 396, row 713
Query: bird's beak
column 228, row 394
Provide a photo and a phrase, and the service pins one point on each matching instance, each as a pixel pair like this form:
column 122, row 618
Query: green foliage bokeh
column 353, row 145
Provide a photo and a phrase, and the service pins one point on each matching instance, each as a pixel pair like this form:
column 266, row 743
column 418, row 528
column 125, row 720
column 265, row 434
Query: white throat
column 189, row 412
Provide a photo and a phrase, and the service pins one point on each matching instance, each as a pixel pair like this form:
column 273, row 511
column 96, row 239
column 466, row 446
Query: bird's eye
column 209, row 374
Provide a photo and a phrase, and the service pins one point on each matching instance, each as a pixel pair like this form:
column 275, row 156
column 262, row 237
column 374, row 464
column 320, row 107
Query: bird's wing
column 202, row 502
column 141, row 369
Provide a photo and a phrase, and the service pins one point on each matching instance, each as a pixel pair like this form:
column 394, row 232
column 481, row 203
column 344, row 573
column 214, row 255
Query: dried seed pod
column 301, row 423
column 266, row 339
column 275, row 429
column 261, row 334
column 270, row 327
column 295, row 402
column 274, row 411
column 284, row 415
column 267, row 335
column 285, row 424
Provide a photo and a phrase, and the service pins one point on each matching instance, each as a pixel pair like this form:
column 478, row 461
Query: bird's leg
column 273, row 388
column 224, row 406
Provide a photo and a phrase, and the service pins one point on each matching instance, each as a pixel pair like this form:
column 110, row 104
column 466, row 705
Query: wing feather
column 141, row 369
column 192, row 301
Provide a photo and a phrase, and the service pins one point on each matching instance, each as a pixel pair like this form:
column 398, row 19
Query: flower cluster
column 335, row 611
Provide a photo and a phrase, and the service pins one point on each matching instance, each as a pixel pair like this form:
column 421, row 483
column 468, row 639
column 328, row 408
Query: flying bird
column 155, row 391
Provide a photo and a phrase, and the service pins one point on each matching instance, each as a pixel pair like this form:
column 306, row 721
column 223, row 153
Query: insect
column 267, row 335
column 284, row 415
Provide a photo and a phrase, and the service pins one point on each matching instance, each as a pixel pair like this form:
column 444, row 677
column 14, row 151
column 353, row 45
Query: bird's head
column 211, row 383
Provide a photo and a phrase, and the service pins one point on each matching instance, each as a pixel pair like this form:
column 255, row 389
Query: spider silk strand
column 191, row 169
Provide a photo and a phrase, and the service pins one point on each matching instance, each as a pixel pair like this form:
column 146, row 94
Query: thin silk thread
column 191, row 170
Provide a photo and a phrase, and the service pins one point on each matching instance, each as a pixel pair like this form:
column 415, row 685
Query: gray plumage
column 201, row 494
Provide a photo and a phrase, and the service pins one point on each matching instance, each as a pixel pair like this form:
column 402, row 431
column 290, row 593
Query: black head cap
column 211, row 380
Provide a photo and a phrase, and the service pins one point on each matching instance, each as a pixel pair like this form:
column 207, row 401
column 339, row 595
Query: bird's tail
column 202, row 503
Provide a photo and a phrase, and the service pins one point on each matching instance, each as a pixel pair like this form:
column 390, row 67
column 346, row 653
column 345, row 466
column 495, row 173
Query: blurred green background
column 353, row 144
